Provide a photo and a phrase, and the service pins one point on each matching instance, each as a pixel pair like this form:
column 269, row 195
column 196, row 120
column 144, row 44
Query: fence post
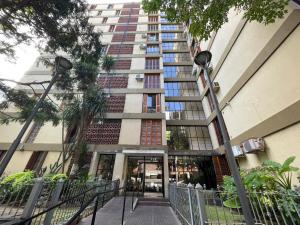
column 32, row 199
column 54, row 200
column 190, row 205
column 201, row 205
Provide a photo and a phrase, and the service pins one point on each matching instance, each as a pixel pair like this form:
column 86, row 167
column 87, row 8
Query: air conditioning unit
column 143, row 46
column 216, row 87
column 144, row 36
column 253, row 145
column 139, row 77
column 238, row 151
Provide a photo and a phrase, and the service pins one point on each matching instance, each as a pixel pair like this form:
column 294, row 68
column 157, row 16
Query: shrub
column 17, row 181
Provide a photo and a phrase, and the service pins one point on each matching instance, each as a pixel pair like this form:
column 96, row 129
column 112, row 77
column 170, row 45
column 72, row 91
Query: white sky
column 25, row 55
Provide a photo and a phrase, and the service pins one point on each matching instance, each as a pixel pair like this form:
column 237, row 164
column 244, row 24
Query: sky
column 25, row 55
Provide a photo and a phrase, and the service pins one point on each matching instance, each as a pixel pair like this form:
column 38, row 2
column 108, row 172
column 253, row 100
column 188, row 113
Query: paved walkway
column 111, row 214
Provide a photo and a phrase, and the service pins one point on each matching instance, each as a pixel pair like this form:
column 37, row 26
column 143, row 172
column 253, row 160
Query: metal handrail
column 77, row 214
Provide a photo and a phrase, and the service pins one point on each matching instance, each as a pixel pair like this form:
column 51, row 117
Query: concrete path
column 111, row 214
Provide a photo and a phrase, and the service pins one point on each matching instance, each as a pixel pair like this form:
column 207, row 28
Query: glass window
column 117, row 12
column 153, row 19
column 172, row 36
column 181, row 89
column 164, row 20
column 178, row 71
column 111, row 28
column 152, row 37
column 152, row 81
column 104, row 20
column 151, row 132
column 110, row 6
column 152, row 27
column 184, row 111
column 171, row 27
column 99, row 13
column 175, row 46
column 152, row 63
column 152, row 49
column 176, row 57
column 192, row 169
column 151, row 101
column 188, row 138
column 105, row 166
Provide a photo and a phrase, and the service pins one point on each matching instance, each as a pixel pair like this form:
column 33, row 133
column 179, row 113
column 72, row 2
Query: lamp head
column 203, row 58
column 62, row 64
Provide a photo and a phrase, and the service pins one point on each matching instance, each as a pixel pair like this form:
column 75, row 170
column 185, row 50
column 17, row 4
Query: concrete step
column 153, row 202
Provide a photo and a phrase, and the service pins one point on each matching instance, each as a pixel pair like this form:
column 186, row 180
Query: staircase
column 153, row 202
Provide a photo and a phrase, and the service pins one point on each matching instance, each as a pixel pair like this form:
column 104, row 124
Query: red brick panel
column 120, row 49
column 115, row 104
column 122, row 64
column 128, row 19
column 113, row 82
column 130, row 12
column 151, row 132
column 221, row 168
column 131, row 5
column 106, row 133
column 126, row 28
column 123, row 37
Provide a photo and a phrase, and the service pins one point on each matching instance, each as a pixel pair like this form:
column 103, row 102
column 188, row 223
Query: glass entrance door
column 146, row 175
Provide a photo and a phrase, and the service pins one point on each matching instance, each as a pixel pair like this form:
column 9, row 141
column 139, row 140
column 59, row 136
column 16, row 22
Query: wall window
column 36, row 161
column 184, row 111
column 171, row 27
column 151, row 103
column 181, row 89
column 218, row 131
column 175, row 46
column 93, row 7
column 192, row 169
column 152, row 81
column 152, row 27
column 111, row 28
column 99, row 13
column 118, row 12
column 151, row 132
column 188, row 138
column 152, row 63
column 152, row 13
column 104, row 19
column 110, row 6
column 164, row 20
column 152, row 49
column 178, row 71
column 152, row 37
column 153, row 18
column 104, row 49
column 105, row 166
column 176, row 57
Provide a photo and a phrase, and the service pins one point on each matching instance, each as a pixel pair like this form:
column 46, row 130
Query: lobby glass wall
column 105, row 166
column 192, row 169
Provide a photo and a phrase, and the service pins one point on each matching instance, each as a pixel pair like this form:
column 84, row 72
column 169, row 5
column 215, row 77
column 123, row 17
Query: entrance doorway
column 145, row 174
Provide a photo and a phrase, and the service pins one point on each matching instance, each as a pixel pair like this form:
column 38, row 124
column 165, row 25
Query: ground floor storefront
column 150, row 172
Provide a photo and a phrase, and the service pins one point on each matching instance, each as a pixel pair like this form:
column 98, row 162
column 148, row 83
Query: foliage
column 17, row 181
column 205, row 16
column 53, row 178
column 83, row 165
column 108, row 63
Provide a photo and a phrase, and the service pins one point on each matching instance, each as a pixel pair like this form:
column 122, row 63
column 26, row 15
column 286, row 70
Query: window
column 152, row 63
column 99, row 13
column 151, row 132
column 170, row 36
column 188, row 138
column 153, row 13
column 171, row 27
column 104, row 49
column 36, row 161
column 153, row 19
column 184, row 111
column 93, row 7
column 218, row 131
column 111, row 28
column 152, row 49
column 192, row 169
column 152, row 37
column 110, row 6
column 151, row 103
column 178, row 71
column 104, row 20
column 118, row 12
column 176, row 57
column 175, row 46
column 181, row 89
column 164, row 20
column 152, row 27
column 105, row 166
column 152, row 81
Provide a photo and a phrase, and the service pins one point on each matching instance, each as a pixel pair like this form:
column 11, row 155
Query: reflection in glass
column 184, row 111
column 105, row 166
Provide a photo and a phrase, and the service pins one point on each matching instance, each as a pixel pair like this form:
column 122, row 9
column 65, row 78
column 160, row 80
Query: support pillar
column 166, row 175
column 119, row 168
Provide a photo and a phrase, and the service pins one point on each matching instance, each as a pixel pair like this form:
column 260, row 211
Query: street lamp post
column 61, row 65
column 203, row 59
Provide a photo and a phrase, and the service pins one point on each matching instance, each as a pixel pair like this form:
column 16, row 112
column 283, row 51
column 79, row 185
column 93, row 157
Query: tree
column 205, row 16
column 108, row 63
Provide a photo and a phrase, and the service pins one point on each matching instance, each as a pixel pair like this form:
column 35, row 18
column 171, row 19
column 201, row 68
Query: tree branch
column 26, row 83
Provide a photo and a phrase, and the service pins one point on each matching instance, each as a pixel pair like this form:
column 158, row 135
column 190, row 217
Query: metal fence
column 37, row 198
column 196, row 206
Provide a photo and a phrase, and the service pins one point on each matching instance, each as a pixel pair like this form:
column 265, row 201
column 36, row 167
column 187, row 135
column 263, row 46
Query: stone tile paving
column 111, row 214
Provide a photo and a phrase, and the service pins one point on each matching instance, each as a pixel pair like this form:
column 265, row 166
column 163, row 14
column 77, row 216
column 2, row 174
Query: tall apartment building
column 256, row 70
column 155, row 130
